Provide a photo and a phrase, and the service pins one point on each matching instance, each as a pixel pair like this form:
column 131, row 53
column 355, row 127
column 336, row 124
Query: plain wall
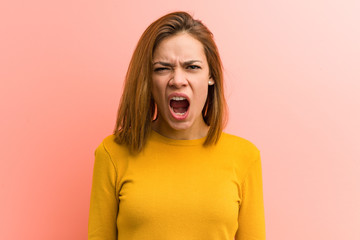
column 292, row 84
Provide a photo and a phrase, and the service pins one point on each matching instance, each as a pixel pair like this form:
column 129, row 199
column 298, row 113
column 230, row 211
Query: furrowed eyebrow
column 164, row 64
column 191, row 62
column 172, row 65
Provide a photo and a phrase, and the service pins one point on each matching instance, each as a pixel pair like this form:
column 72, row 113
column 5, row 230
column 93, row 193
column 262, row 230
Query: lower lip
column 179, row 117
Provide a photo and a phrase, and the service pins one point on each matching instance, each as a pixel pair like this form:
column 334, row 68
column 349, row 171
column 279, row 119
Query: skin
column 180, row 66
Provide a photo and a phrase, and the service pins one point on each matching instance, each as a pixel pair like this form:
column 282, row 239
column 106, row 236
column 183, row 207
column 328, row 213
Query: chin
column 179, row 126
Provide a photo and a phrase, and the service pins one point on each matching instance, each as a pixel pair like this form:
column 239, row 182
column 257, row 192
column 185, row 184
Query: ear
column 211, row 81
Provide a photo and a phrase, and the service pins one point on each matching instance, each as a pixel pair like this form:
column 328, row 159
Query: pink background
column 292, row 84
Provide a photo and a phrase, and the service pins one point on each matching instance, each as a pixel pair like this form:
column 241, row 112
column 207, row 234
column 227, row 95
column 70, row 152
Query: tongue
column 179, row 106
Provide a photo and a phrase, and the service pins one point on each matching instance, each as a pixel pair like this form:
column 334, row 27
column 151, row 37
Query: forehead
column 181, row 46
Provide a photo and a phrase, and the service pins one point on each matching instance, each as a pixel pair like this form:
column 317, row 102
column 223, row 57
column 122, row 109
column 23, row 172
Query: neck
column 191, row 133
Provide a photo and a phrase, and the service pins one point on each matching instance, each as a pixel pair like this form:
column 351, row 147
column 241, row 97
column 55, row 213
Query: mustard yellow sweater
column 177, row 190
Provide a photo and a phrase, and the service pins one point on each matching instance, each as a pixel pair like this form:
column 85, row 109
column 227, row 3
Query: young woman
column 168, row 171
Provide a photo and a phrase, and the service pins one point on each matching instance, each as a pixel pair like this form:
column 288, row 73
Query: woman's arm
column 103, row 202
column 251, row 214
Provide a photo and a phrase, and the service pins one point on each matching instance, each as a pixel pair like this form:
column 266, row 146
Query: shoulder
column 109, row 148
column 243, row 152
column 238, row 144
column 110, row 145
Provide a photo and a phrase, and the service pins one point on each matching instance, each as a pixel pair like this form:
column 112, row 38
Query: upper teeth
column 178, row 98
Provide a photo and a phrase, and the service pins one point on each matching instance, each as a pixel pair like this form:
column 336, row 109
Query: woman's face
column 180, row 81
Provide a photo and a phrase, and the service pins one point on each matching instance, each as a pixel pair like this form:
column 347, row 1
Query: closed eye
column 161, row 69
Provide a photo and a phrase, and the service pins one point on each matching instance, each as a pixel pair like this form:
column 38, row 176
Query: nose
column 178, row 79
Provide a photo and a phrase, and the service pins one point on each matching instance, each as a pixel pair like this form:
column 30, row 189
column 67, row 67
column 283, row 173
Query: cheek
column 157, row 93
column 204, row 92
column 201, row 96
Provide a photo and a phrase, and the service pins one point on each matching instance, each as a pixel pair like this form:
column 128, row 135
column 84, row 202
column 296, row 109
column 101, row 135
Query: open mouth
column 179, row 105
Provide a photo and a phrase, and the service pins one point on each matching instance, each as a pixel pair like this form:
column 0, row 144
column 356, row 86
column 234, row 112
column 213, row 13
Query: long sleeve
column 251, row 214
column 103, row 201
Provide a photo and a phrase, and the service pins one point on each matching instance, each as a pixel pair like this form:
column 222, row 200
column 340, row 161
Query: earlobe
column 211, row 81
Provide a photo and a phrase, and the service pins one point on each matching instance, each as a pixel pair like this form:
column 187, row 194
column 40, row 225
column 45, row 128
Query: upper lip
column 178, row 95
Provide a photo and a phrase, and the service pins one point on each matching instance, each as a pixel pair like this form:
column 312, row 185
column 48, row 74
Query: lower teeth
column 179, row 114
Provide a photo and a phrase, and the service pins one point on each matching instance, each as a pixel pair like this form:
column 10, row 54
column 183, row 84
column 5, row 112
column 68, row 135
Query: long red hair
column 137, row 108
